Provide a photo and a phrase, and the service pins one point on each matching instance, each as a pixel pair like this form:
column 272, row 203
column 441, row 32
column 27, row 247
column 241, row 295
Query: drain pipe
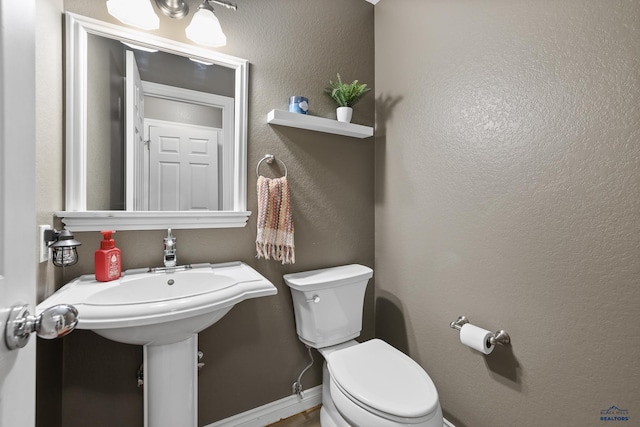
column 140, row 376
column 297, row 386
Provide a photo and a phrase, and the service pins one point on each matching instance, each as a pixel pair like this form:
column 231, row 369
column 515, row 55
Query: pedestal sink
column 163, row 311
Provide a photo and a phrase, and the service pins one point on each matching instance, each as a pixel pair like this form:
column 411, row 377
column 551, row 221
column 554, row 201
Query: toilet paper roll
column 476, row 338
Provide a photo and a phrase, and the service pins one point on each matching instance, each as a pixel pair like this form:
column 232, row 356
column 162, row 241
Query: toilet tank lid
column 328, row 277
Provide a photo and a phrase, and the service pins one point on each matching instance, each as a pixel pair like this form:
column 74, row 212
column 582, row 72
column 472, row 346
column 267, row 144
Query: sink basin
column 163, row 307
column 163, row 311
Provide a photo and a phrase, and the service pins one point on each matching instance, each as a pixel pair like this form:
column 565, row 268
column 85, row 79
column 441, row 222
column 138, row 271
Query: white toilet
column 370, row 384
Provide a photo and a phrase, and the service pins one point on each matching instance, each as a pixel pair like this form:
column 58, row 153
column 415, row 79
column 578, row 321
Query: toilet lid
column 383, row 378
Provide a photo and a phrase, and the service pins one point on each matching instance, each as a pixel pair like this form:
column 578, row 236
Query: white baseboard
column 274, row 411
column 278, row 410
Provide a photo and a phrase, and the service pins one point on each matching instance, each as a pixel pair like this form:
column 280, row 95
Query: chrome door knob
column 54, row 322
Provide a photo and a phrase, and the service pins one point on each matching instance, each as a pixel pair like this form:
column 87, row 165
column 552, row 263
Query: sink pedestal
column 171, row 384
column 163, row 312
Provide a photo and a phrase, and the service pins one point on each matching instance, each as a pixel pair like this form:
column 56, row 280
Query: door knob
column 54, row 322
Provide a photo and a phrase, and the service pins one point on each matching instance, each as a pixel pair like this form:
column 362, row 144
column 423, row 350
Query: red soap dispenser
column 108, row 259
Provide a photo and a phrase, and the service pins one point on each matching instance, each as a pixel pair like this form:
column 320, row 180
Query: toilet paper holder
column 500, row 337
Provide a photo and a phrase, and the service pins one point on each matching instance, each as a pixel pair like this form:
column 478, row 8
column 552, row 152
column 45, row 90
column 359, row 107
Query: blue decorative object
column 298, row 104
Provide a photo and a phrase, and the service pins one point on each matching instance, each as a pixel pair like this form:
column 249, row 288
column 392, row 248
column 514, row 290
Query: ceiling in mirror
column 156, row 129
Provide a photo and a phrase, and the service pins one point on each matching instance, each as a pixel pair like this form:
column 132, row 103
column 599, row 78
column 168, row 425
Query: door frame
column 227, row 105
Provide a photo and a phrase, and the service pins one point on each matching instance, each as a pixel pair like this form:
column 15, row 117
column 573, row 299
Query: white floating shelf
column 320, row 124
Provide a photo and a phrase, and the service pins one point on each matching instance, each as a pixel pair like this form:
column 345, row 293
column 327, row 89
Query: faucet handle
column 169, row 241
column 170, row 250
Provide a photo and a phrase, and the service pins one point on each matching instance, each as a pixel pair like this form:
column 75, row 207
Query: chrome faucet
column 170, row 257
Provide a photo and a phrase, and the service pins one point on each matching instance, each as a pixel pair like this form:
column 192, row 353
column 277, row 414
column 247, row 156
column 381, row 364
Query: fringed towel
column 275, row 227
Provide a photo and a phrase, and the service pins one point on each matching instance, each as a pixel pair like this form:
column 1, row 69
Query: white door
column 134, row 130
column 17, row 203
column 183, row 168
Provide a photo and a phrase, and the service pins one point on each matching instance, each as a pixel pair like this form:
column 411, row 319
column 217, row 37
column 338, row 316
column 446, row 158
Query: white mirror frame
column 76, row 217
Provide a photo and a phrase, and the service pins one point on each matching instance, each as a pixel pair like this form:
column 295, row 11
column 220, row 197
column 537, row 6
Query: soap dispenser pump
column 108, row 259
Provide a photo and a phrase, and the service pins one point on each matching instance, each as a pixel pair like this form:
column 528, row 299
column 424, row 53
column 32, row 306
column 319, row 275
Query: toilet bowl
column 369, row 384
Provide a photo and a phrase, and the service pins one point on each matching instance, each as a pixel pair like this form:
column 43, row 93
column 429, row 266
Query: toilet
column 369, row 384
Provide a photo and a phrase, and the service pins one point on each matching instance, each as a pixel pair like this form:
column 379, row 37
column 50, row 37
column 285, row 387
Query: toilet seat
column 383, row 381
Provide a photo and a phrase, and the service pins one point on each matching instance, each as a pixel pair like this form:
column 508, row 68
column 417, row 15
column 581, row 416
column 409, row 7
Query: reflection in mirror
column 172, row 121
column 164, row 130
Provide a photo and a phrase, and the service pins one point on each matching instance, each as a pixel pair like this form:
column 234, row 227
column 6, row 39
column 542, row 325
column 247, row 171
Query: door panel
column 183, row 168
column 17, row 203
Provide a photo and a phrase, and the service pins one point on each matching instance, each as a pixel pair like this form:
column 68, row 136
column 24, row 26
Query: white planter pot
column 344, row 114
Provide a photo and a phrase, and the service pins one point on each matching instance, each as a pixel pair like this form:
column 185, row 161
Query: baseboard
column 278, row 410
column 274, row 411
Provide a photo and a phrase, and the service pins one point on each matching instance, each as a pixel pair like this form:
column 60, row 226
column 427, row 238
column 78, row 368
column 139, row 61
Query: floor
column 309, row 418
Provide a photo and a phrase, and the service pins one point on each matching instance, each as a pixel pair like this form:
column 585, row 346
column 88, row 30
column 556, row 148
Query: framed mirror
column 156, row 132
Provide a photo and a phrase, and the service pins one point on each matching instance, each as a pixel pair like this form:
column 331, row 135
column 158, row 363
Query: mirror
column 156, row 132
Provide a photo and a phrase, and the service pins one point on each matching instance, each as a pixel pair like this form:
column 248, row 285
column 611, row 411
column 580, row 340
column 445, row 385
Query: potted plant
column 346, row 95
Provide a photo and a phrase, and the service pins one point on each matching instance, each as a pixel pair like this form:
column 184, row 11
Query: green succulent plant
column 346, row 94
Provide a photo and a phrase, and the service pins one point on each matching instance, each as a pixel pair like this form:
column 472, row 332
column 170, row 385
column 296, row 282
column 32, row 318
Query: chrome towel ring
column 269, row 158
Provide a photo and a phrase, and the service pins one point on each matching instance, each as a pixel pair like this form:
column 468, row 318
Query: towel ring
column 269, row 159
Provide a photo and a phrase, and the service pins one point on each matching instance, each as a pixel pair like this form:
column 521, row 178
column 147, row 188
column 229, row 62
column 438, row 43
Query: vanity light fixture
column 137, row 13
column 63, row 246
column 204, row 28
column 177, row 9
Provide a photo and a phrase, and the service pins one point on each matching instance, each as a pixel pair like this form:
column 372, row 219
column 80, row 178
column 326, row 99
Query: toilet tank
column 328, row 303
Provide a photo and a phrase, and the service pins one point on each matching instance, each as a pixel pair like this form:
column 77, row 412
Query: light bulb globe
column 205, row 29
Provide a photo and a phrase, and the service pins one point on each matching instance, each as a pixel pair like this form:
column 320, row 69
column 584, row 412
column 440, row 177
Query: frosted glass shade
column 205, row 29
column 137, row 13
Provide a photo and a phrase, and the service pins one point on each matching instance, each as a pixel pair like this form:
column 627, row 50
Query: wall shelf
column 320, row 124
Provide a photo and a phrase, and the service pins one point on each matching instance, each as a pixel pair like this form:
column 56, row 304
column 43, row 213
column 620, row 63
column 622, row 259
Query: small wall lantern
column 63, row 247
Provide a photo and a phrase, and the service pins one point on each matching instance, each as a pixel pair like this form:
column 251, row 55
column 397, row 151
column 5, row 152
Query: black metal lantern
column 63, row 247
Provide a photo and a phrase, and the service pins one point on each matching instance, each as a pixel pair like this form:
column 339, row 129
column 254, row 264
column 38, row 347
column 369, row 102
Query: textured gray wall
column 507, row 190
column 252, row 355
